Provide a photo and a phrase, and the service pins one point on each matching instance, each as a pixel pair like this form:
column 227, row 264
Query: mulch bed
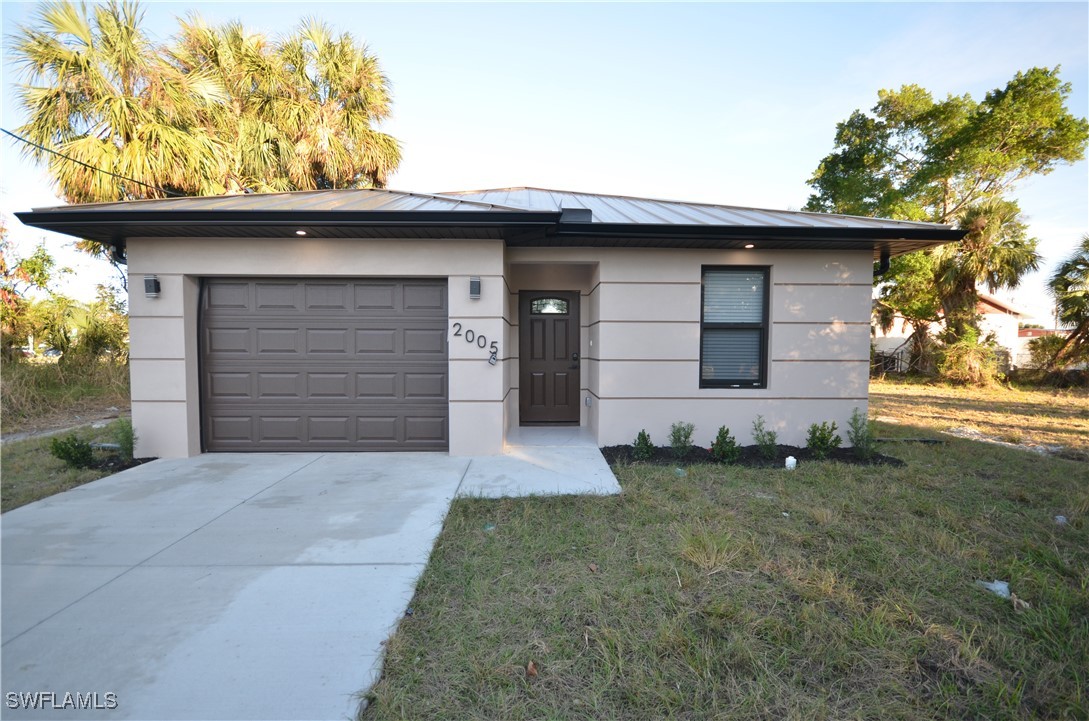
column 112, row 463
column 750, row 457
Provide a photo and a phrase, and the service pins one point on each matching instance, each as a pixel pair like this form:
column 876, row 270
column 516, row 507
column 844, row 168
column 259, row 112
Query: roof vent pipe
column 883, row 266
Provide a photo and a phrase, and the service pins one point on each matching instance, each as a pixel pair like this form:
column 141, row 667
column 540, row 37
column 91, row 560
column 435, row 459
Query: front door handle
column 574, row 361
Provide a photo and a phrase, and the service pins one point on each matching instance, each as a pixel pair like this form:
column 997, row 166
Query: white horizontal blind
column 732, row 354
column 733, row 296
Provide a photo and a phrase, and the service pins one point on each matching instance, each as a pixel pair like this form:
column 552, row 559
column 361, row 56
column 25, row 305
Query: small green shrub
column 767, row 441
column 822, row 439
column 643, row 448
column 680, row 438
column 725, row 447
column 125, row 437
column 970, row 361
column 860, row 435
column 76, row 453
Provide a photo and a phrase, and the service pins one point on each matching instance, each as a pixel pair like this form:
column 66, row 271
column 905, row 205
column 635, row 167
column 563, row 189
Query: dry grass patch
column 41, row 395
column 1030, row 417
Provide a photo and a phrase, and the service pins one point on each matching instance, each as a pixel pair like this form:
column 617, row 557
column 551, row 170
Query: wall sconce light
column 474, row 288
column 151, row 286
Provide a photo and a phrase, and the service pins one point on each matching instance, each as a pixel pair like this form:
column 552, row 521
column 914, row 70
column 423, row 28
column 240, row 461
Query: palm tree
column 1069, row 286
column 98, row 92
column 301, row 111
column 244, row 64
column 222, row 110
column 996, row 253
column 336, row 91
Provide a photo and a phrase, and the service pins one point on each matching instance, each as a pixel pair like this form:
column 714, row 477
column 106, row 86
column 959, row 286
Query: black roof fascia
column 118, row 225
column 47, row 219
column 589, row 231
column 520, row 228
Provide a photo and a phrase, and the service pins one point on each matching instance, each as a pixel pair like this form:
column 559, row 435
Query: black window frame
column 763, row 326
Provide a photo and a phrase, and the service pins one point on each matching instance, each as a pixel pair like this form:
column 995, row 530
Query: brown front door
column 549, row 357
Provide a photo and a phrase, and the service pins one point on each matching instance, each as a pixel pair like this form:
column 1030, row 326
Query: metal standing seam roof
column 521, row 217
column 344, row 200
column 626, row 209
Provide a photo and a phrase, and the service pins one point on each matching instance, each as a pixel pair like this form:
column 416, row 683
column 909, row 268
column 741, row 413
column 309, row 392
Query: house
column 998, row 319
column 1023, row 355
column 383, row 320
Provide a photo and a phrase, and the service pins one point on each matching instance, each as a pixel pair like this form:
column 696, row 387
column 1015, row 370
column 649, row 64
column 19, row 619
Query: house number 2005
column 478, row 339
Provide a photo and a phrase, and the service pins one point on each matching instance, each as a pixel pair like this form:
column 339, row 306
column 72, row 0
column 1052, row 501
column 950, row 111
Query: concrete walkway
column 237, row 586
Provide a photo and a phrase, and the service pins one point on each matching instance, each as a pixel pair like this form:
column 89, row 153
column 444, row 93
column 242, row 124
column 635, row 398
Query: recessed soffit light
column 300, row 232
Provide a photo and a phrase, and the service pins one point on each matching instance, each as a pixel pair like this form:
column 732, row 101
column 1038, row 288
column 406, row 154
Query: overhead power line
column 21, row 139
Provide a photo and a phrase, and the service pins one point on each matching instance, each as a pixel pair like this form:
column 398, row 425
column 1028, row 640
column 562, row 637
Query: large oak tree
column 953, row 161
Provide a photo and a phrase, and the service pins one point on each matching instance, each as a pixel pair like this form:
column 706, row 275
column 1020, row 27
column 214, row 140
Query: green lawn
column 30, row 471
column 833, row 592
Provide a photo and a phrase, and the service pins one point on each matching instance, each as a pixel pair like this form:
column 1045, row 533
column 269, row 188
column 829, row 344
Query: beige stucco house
column 381, row 320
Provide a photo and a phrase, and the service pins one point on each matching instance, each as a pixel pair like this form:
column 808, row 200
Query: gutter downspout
column 883, row 265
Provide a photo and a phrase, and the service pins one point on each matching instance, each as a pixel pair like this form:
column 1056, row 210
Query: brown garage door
column 318, row 364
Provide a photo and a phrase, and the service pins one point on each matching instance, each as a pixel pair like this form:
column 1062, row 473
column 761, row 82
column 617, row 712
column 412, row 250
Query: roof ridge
column 701, row 203
column 445, row 196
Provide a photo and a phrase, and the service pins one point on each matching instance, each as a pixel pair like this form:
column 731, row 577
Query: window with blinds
column 734, row 328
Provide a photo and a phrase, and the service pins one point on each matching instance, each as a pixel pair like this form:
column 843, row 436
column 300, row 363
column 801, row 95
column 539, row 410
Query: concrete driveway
column 234, row 586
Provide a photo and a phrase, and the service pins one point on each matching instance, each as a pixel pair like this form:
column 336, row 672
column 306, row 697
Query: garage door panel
column 279, row 385
column 425, row 385
column 276, row 297
column 236, row 341
column 372, row 297
column 226, row 385
column 330, row 429
column 428, row 298
column 327, row 340
column 423, row 429
column 370, row 341
column 279, row 428
column 278, row 341
column 425, row 341
column 232, row 429
column 377, row 385
column 375, row 429
column 336, row 365
column 229, row 296
column 328, row 297
column 326, row 386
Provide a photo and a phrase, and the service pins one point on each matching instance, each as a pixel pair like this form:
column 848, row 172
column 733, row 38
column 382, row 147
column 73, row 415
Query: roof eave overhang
column 115, row 227
column 518, row 228
column 893, row 240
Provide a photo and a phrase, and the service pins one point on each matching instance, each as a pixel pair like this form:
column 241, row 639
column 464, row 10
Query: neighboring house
column 997, row 318
column 384, row 320
column 1022, row 356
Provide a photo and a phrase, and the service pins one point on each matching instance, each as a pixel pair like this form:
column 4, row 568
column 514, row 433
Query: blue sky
column 725, row 102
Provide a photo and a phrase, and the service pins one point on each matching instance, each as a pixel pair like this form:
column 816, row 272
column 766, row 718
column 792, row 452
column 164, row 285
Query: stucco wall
column 642, row 369
column 639, row 334
column 164, row 354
